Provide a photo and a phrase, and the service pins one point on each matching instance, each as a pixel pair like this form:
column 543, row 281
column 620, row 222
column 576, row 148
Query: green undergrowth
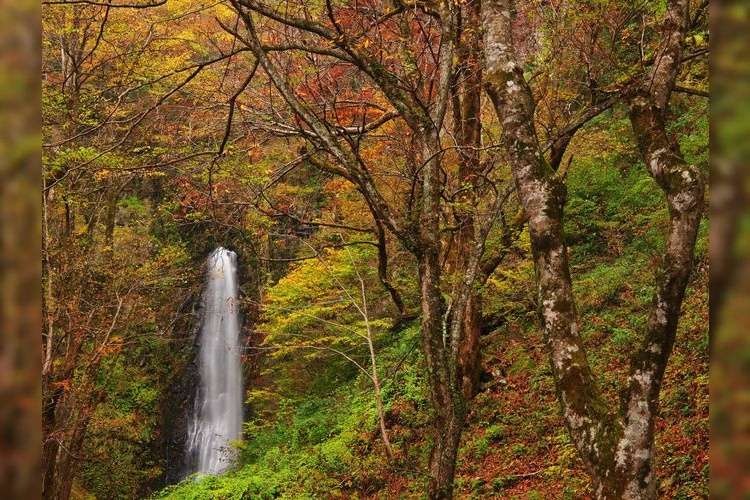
column 322, row 441
column 515, row 444
column 327, row 445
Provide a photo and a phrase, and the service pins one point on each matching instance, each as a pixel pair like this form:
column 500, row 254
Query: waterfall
column 217, row 417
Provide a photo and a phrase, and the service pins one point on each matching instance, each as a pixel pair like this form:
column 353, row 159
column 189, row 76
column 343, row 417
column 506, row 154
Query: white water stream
column 217, row 417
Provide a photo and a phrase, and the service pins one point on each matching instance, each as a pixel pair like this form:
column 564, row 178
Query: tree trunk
column 62, row 429
column 49, row 450
column 617, row 450
column 468, row 129
column 442, row 344
column 542, row 195
column 469, row 356
column 444, row 451
column 683, row 188
column 446, row 401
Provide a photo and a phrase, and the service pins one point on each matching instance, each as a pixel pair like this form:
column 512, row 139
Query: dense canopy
column 471, row 238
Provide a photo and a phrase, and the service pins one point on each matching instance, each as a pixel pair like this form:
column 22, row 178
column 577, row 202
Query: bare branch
column 232, row 101
column 349, row 165
column 108, row 4
column 587, row 115
column 686, row 90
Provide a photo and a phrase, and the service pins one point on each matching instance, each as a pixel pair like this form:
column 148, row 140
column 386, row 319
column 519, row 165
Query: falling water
column 217, row 418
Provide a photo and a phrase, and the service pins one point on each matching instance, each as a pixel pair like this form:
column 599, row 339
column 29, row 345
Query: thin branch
column 111, row 327
column 311, row 316
column 349, row 164
column 316, row 255
column 130, row 130
column 686, row 90
column 107, row 121
column 107, row 4
column 295, row 22
column 318, row 348
column 232, row 101
column 588, row 114
column 308, row 48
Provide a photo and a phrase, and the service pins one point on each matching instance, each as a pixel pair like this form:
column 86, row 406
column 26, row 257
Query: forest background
column 140, row 221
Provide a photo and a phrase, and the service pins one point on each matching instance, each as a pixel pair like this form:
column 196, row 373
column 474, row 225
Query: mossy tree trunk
column 617, row 447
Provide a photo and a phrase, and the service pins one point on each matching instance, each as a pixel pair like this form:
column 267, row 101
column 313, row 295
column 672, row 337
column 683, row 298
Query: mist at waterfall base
column 217, row 417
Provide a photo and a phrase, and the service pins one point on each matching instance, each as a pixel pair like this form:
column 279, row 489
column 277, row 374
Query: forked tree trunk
column 617, row 448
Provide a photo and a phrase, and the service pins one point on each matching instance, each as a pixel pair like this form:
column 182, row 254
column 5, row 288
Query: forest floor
column 516, row 444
